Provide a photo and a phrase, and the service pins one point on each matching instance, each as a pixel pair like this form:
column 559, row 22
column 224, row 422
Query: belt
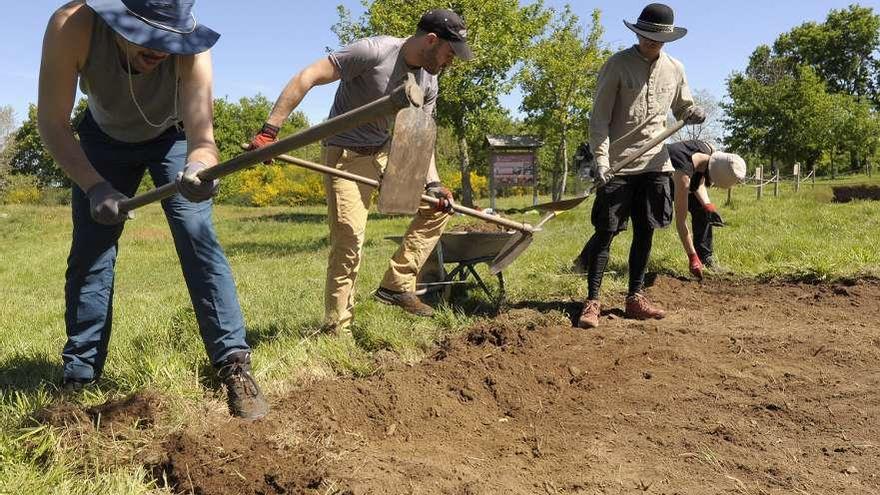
column 365, row 150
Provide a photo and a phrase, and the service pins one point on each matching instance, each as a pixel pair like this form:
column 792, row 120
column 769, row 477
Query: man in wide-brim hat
column 145, row 66
column 637, row 88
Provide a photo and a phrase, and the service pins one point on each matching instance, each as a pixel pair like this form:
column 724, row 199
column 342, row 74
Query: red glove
column 695, row 266
column 710, row 208
column 443, row 194
column 267, row 135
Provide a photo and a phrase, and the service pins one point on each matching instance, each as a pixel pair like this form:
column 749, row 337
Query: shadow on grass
column 293, row 218
column 278, row 248
column 29, row 373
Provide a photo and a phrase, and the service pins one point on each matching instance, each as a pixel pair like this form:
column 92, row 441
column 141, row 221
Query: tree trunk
column 467, row 193
column 564, row 165
column 833, row 166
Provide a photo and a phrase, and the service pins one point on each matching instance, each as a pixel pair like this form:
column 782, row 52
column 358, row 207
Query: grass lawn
column 278, row 256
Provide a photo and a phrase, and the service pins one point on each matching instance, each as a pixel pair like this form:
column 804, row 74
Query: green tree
column 498, row 31
column 558, row 81
column 7, row 128
column 842, row 50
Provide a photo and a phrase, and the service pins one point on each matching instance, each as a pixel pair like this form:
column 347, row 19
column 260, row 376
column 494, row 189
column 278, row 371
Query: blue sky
column 265, row 42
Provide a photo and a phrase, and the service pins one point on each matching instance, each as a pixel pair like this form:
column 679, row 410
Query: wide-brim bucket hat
column 726, row 169
column 167, row 26
column 657, row 23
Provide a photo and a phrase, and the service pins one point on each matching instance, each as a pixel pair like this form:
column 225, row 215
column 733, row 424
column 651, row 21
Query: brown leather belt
column 366, row 150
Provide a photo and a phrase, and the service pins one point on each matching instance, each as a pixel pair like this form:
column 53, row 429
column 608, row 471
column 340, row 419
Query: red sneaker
column 639, row 307
column 590, row 315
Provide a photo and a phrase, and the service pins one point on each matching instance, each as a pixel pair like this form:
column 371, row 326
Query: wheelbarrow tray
column 458, row 247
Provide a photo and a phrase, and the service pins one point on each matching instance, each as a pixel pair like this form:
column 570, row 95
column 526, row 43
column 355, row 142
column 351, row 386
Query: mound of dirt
column 845, row 194
column 744, row 388
column 478, row 227
column 138, row 411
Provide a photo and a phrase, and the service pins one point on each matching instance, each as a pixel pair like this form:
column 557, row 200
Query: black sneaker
column 246, row 401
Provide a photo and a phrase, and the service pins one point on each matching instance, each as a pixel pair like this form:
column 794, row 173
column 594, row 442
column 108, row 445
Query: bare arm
column 320, row 72
column 197, row 102
column 65, row 49
column 702, row 195
column 682, row 183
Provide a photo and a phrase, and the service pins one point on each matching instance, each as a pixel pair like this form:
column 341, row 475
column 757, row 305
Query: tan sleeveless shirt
column 105, row 80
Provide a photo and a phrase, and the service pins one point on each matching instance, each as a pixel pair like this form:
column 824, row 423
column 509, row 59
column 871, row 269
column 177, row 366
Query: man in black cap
column 145, row 66
column 367, row 70
column 636, row 89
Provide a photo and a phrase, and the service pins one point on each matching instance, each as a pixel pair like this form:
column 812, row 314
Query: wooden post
column 729, row 196
column 759, row 176
column 797, row 177
column 492, row 181
column 776, row 185
column 813, row 173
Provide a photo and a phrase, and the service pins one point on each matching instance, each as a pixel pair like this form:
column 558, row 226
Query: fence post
column 759, row 175
column 729, row 196
column 797, row 177
column 776, row 184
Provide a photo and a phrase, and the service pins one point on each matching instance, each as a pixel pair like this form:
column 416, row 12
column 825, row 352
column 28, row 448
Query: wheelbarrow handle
column 408, row 93
column 324, row 169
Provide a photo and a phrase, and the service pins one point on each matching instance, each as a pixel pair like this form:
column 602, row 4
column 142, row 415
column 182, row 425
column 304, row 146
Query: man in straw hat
column 697, row 167
column 636, row 89
column 367, row 70
column 145, row 66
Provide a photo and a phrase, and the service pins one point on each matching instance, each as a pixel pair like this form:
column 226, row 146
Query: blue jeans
column 90, row 267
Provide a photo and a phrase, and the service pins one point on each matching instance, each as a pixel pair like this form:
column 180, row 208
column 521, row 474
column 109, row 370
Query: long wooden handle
column 408, row 93
column 324, row 169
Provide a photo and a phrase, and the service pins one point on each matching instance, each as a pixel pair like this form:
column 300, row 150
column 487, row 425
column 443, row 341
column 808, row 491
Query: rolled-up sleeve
column 603, row 107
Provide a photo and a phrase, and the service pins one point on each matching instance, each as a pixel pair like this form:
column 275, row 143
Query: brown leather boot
column 638, row 307
column 590, row 314
column 408, row 301
column 245, row 398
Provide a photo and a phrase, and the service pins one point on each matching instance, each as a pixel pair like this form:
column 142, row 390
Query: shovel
column 412, row 148
column 521, row 240
column 404, row 95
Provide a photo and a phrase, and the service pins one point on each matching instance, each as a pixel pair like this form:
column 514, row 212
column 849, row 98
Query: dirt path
column 760, row 389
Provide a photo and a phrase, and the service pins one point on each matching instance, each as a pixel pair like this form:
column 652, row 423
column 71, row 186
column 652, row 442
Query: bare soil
column 845, row 194
column 478, row 227
column 744, row 388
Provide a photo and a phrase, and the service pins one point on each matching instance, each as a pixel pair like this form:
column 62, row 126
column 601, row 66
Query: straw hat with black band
column 657, row 23
column 167, row 26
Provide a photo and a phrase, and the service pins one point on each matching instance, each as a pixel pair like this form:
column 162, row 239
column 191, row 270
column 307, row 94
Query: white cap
column 726, row 169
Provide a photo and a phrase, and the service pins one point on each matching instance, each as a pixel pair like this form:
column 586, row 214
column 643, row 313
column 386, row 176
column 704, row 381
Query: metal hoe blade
column 412, row 147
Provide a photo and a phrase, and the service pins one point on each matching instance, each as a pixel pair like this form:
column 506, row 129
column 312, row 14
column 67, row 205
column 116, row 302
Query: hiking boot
column 74, row 385
column 245, row 399
column 406, row 300
column 712, row 266
column 638, row 307
column 590, row 314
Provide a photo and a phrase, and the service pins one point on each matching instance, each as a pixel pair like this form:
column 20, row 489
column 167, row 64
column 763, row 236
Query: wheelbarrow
column 465, row 250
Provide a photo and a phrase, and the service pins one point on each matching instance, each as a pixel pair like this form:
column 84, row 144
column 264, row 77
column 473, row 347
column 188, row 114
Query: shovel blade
column 412, row 147
column 510, row 252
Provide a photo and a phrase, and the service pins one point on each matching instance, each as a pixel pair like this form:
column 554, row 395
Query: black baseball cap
column 448, row 25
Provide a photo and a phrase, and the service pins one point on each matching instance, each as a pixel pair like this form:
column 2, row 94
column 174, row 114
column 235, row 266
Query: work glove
column 191, row 187
column 695, row 266
column 439, row 191
column 695, row 116
column 104, row 204
column 713, row 216
column 267, row 135
column 603, row 175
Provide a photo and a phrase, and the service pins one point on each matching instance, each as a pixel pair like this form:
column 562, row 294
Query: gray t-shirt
column 371, row 68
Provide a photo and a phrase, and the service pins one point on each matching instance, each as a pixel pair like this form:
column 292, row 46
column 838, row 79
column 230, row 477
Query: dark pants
column 700, row 228
column 90, row 266
column 647, row 200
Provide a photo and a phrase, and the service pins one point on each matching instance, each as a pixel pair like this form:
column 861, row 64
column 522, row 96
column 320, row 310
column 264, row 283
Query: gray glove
column 696, row 116
column 104, row 204
column 193, row 189
column 603, row 175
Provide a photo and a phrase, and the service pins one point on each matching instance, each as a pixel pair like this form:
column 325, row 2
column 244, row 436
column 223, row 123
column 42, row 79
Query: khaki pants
column 348, row 204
